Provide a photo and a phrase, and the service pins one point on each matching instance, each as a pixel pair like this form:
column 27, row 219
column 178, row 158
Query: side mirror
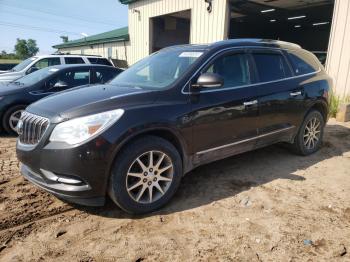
column 60, row 84
column 209, row 80
column 32, row 69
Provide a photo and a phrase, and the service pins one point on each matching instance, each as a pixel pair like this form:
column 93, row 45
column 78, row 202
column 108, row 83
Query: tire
column 304, row 144
column 12, row 111
column 127, row 173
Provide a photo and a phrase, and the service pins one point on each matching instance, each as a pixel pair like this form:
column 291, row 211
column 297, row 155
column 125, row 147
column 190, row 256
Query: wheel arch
column 9, row 107
column 166, row 133
column 320, row 106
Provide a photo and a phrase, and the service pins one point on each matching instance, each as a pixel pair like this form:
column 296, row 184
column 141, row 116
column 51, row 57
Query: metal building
column 321, row 26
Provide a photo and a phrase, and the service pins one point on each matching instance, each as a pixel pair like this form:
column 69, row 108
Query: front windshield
column 23, row 64
column 36, row 76
column 158, row 71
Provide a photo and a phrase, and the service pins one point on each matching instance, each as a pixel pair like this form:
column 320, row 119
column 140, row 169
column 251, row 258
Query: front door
column 225, row 119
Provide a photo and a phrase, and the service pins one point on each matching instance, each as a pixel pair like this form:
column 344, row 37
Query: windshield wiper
column 17, row 83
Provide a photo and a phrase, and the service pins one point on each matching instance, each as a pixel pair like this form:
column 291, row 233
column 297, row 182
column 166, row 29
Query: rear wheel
column 145, row 175
column 310, row 136
column 11, row 118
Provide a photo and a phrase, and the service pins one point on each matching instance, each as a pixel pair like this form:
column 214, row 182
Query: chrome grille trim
column 33, row 128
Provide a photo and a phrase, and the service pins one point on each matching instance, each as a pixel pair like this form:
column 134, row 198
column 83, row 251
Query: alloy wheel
column 312, row 133
column 149, row 177
column 14, row 118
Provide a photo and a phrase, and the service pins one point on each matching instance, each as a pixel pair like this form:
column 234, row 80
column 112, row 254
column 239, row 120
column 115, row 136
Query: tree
column 3, row 53
column 25, row 49
column 21, row 48
column 32, row 47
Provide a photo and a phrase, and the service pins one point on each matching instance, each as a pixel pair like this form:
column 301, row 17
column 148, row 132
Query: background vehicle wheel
column 145, row 175
column 310, row 136
column 11, row 118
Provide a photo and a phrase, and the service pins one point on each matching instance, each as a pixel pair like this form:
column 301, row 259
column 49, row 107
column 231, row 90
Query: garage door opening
column 171, row 29
column 304, row 22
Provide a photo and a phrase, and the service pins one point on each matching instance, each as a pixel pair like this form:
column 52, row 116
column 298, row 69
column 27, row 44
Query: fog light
column 60, row 179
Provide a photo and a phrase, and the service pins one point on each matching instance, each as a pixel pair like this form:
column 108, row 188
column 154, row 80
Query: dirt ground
column 266, row 205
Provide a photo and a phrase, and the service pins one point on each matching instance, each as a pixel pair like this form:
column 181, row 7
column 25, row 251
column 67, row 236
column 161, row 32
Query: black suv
column 134, row 138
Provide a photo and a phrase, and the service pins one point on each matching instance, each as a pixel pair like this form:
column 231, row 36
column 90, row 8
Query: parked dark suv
column 17, row 95
column 180, row 108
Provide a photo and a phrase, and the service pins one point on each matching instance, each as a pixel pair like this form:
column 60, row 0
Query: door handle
column 298, row 93
column 250, row 103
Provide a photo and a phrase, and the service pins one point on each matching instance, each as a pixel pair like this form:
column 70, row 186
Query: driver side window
column 233, row 68
column 45, row 62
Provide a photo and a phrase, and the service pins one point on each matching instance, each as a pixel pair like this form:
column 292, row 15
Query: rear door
column 280, row 98
column 225, row 119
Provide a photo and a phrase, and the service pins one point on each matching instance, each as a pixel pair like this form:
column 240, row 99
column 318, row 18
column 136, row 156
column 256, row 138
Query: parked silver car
column 35, row 63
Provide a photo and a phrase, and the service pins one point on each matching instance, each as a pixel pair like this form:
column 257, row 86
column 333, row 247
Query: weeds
column 335, row 102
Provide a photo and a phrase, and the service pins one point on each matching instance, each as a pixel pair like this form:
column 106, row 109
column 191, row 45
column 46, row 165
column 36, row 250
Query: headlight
column 84, row 128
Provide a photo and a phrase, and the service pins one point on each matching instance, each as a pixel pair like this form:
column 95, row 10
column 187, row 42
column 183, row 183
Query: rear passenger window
column 303, row 63
column 99, row 61
column 271, row 67
column 74, row 60
column 233, row 68
column 103, row 75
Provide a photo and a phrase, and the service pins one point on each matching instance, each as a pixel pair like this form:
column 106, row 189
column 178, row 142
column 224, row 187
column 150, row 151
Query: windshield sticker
column 191, row 54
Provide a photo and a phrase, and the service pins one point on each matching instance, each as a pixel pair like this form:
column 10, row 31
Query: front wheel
column 310, row 136
column 11, row 118
column 145, row 176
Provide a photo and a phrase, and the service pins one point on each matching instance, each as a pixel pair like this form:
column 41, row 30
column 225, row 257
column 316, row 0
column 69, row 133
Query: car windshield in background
column 23, row 64
column 158, row 71
column 36, row 76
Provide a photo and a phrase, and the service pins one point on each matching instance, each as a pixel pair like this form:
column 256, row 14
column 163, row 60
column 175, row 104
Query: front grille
column 31, row 128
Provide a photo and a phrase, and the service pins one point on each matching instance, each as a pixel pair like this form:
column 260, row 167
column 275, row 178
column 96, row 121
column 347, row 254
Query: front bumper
column 60, row 190
column 79, row 175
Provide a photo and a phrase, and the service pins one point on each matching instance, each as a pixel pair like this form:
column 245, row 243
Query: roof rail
column 60, row 53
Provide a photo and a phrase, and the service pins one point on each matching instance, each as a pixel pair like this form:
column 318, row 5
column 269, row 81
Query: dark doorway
column 304, row 22
column 171, row 29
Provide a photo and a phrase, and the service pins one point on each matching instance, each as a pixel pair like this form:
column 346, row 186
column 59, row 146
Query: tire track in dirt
column 15, row 233
column 9, row 223
column 22, row 203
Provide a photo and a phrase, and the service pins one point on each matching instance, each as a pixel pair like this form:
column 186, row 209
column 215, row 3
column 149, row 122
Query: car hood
column 89, row 100
column 10, row 88
column 10, row 76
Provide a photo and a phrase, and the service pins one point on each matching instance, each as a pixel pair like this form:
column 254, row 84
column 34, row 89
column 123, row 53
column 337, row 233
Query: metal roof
column 126, row 2
column 117, row 35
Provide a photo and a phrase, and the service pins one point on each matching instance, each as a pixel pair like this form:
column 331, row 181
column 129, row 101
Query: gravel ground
column 266, row 205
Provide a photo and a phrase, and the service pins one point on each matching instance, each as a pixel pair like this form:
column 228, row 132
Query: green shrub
column 334, row 104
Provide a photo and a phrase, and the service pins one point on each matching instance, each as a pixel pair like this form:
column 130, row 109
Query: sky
column 47, row 20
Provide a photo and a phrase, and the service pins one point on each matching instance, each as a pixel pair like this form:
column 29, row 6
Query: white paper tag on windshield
column 191, row 54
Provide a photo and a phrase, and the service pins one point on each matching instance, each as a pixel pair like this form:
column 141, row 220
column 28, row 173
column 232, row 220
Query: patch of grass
column 334, row 104
column 9, row 61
